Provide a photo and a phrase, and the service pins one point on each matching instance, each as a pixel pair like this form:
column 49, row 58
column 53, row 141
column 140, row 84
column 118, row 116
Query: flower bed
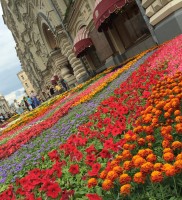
column 23, row 137
column 111, row 142
column 27, row 157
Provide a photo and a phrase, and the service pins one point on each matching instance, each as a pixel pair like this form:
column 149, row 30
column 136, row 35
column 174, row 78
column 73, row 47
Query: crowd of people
column 28, row 103
column 57, row 88
column 5, row 116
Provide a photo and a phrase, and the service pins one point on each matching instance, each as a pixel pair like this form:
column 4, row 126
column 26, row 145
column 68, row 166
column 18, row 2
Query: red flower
column 93, row 197
column 95, row 169
column 90, row 149
column 105, row 154
column 53, row 155
column 66, row 194
column 53, row 190
column 74, row 169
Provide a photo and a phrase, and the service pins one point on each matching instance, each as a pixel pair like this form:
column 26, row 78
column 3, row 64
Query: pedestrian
column 30, row 102
column 1, row 118
column 64, row 84
column 51, row 91
column 26, row 103
column 20, row 109
column 34, row 98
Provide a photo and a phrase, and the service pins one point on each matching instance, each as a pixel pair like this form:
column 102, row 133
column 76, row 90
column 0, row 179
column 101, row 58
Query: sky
column 10, row 85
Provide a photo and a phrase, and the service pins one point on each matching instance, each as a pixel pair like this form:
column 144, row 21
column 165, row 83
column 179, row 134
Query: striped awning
column 82, row 41
column 104, row 8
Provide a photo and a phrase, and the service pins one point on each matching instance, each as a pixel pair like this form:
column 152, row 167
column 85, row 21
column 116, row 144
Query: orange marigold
column 114, row 163
column 118, row 170
column 168, row 157
column 178, row 119
column 127, row 137
column 146, row 167
column 125, row 189
column 132, row 146
column 124, row 178
column 179, row 128
column 107, row 184
column 166, row 150
column 119, row 158
column 139, row 161
column 156, row 177
column 169, row 169
column 126, row 146
column 158, row 166
column 134, row 137
column 112, row 175
column 148, row 151
column 150, row 138
column 141, row 141
column 178, row 165
column 127, row 165
column 151, row 157
column 166, row 130
column 179, row 156
column 142, row 153
column 168, row 137
column 126, row 154
column 177, row 145
column 92, row 182
column 177, row 112
column 139, row 178
column 103, row 174
column 165, row 143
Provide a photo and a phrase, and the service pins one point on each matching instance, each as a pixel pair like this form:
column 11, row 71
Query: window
column 26, row 84
column 22, row 77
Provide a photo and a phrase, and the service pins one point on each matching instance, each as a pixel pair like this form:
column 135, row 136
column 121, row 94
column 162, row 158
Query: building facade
column 72, row 39
column 4, row 106
column 25, row 82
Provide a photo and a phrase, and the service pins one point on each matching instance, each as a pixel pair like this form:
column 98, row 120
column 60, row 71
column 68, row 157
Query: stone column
column 60, row 63
column 67, row 51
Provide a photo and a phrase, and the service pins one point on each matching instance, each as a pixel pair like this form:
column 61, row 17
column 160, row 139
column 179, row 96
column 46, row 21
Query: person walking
column 64, row 84
column 20, row 109
column 34, row 98
column 51, row 91
column 26, row 103
column 30, row 102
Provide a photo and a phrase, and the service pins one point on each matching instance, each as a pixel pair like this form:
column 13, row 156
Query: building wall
column 4, row 106
column 38, row 32
column 25, row 82
column 164, row 16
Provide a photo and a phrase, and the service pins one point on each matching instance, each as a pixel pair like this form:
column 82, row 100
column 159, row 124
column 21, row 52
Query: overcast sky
column 10, row 85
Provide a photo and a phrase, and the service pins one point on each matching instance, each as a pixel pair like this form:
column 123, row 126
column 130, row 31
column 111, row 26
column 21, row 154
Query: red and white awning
column 81, row 42
column 103, row 10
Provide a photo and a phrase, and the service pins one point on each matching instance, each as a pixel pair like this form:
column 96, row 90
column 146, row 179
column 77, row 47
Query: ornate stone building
column 25, row 82
column 72, row 38
column 42, row 42
column 4, row 106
